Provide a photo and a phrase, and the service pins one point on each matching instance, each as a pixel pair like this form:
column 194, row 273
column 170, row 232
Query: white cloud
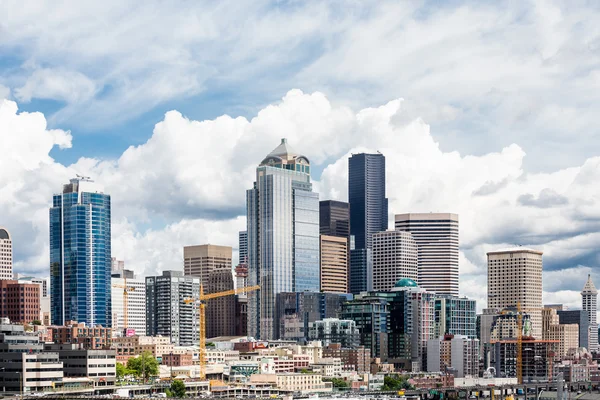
column 186, row 184
column 4, row 92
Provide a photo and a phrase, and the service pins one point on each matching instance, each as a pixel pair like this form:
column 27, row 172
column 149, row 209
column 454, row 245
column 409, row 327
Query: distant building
column 86, row 337
column 579, row 317
column 283, row 236
column 116, row 266
column 515, row 276
column 294, row 311
column 537, row 359
column 589, row 299
column 220, row 312
column 126, row 286
column 243, row 247
column 361, row 270
column 485, row 323
column 334, row 330
column 133, row 346
column 241, row 315
column 436, row 235
column 334, row 218
column 80, row 254
column 6, row 254
column 456, row 316
column 20, row 302
column 200, row 260
column 167, row 313
column 355, row 359
column 334, row 264
column 394, row 258
column 453, row 354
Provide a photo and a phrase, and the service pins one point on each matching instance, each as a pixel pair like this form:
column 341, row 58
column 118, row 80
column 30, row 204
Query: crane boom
column 126, row 290
column 201, row 299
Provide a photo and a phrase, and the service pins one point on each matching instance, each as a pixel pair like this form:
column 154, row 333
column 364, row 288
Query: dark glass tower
column 368, row 212
column 334, row 218
column 80, row 263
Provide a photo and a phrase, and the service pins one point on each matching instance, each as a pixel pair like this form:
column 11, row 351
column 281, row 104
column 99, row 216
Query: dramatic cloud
column 186, row 185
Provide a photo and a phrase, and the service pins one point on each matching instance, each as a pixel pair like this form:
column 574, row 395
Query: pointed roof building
column 589, row 300
column 589, row 287
column 283, row 156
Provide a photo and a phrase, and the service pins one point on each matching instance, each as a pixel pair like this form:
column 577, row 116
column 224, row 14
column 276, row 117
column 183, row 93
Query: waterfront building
column 436, row 235
column 394, row 258
column 80, row 254
column 167, row 312
column 283, row 236
column 6, row 254
column 200, row 260
column 334, row 264
column 515, row 276
column 589, row 299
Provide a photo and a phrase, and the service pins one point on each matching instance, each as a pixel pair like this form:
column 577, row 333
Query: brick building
column 91, row 338
column 19, row 302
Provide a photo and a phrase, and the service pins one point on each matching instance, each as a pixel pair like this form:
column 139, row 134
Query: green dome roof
column 405, row 282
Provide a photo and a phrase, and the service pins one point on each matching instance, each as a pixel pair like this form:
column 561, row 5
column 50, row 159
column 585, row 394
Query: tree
column 122, row 371
column 337, row 383
column 395, row 382
column 143, row 365
column 36, row 322
column 177, row 389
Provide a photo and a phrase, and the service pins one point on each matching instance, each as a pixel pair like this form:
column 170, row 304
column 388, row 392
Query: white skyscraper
column 136, row 303
column 515, row 276
column 394, row 258
column 436, row 235
column 6, row 254
column 589, row 298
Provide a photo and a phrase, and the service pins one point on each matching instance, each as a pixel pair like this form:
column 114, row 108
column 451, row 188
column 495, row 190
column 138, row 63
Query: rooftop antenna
column 84, row 178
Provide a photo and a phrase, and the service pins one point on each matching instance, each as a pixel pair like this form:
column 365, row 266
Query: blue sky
column 504, row 94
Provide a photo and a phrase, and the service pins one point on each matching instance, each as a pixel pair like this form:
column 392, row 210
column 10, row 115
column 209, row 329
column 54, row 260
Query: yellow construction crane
column 520, row 312
column 126, row 290
column 202, row 299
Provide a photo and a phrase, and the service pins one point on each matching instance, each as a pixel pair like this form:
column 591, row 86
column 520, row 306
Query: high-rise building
column 116, row 266
column 44, row 313
column 394, row 258
column 436, row 235
column 579, row 317
column 515, row 276
column 80, row 255
column 200, row 260
column 243, row 247
column 19, row 302
column 167, row 313
column 334, row 264
column 283, row 235
column 334, row 218
column 368, row 214
column 455, row 316
column 334, row 330
column 6, row 254
column 589, row 299
column 241, row 277
column 486, row 321
column 567, row 335
column 136, row 303
column 453, row 354
column 220, row 312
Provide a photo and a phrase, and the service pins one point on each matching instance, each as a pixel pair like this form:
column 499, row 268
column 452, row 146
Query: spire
column 589, row 287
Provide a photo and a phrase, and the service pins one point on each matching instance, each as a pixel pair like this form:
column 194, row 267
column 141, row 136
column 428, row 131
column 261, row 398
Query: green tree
column 337, row 383
column 177, row 389
column 143, row 365
column 395, row 382
column 36, row 322
column 122, row 371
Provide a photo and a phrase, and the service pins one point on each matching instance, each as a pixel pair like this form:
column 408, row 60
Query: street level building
column 515, row 276
column 80, row 254
column 6, row 254
column 283, row 236
column 436, row 235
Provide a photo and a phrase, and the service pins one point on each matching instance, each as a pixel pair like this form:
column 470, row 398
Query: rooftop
column 515, row 249
column 4, row 234
column 284, row 155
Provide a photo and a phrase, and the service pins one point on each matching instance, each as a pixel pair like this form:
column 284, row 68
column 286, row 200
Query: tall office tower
column 220, row 312
column 80, row 258
column 334, row 218
column 579, row 317
column 167, row 313
column 436, row 235
column 334, row 264
column 116, row 266
column 283, row 235
column 515, row 276
column 394, row 258
column 200, row 260
column 361, row 270
column 589, row 298
column 243, row 247
column 6, row 254
column 134, row 298
column 455, row 316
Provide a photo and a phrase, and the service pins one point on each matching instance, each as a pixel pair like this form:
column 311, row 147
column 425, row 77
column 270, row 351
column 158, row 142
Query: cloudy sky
column 486, row 110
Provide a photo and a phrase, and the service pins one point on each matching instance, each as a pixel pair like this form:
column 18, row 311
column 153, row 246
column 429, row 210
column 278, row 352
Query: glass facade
column 80, row 256
column 283, row 236
column 456, row 316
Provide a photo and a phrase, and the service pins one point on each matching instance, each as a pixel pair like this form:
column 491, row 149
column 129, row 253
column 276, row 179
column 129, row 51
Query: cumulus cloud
column 56, row 84
column 547, row 198
column 4, row 92
column 186, row 184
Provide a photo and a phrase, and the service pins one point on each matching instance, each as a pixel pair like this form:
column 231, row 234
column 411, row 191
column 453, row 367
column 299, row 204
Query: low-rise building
column 93, row 338
column 334, row 330
column 537, row 359
column 177, row 360
column 432, row 381
column 97, row 365
column 328, row 367
column 303, row 383
column 222, row 356
column 353, row 359
column 20, row 302
column 133, row 346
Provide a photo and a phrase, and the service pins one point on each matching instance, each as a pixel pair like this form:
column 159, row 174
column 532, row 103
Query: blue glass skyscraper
column 368, row 213
column 80, row 251
column 283, row 236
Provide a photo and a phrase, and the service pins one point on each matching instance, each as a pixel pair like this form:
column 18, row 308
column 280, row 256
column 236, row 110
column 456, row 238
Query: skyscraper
column 589, row 298
column 220, row 312
column 368, row 213
column 334, row 218
column 515, row 276
column 436, row 235
column 80, row 258
column 136, row 302
column 394, row 258
column 334, row 264
column 243, row 247
column 201, row 260
column 283, row 235
column 6, row 254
